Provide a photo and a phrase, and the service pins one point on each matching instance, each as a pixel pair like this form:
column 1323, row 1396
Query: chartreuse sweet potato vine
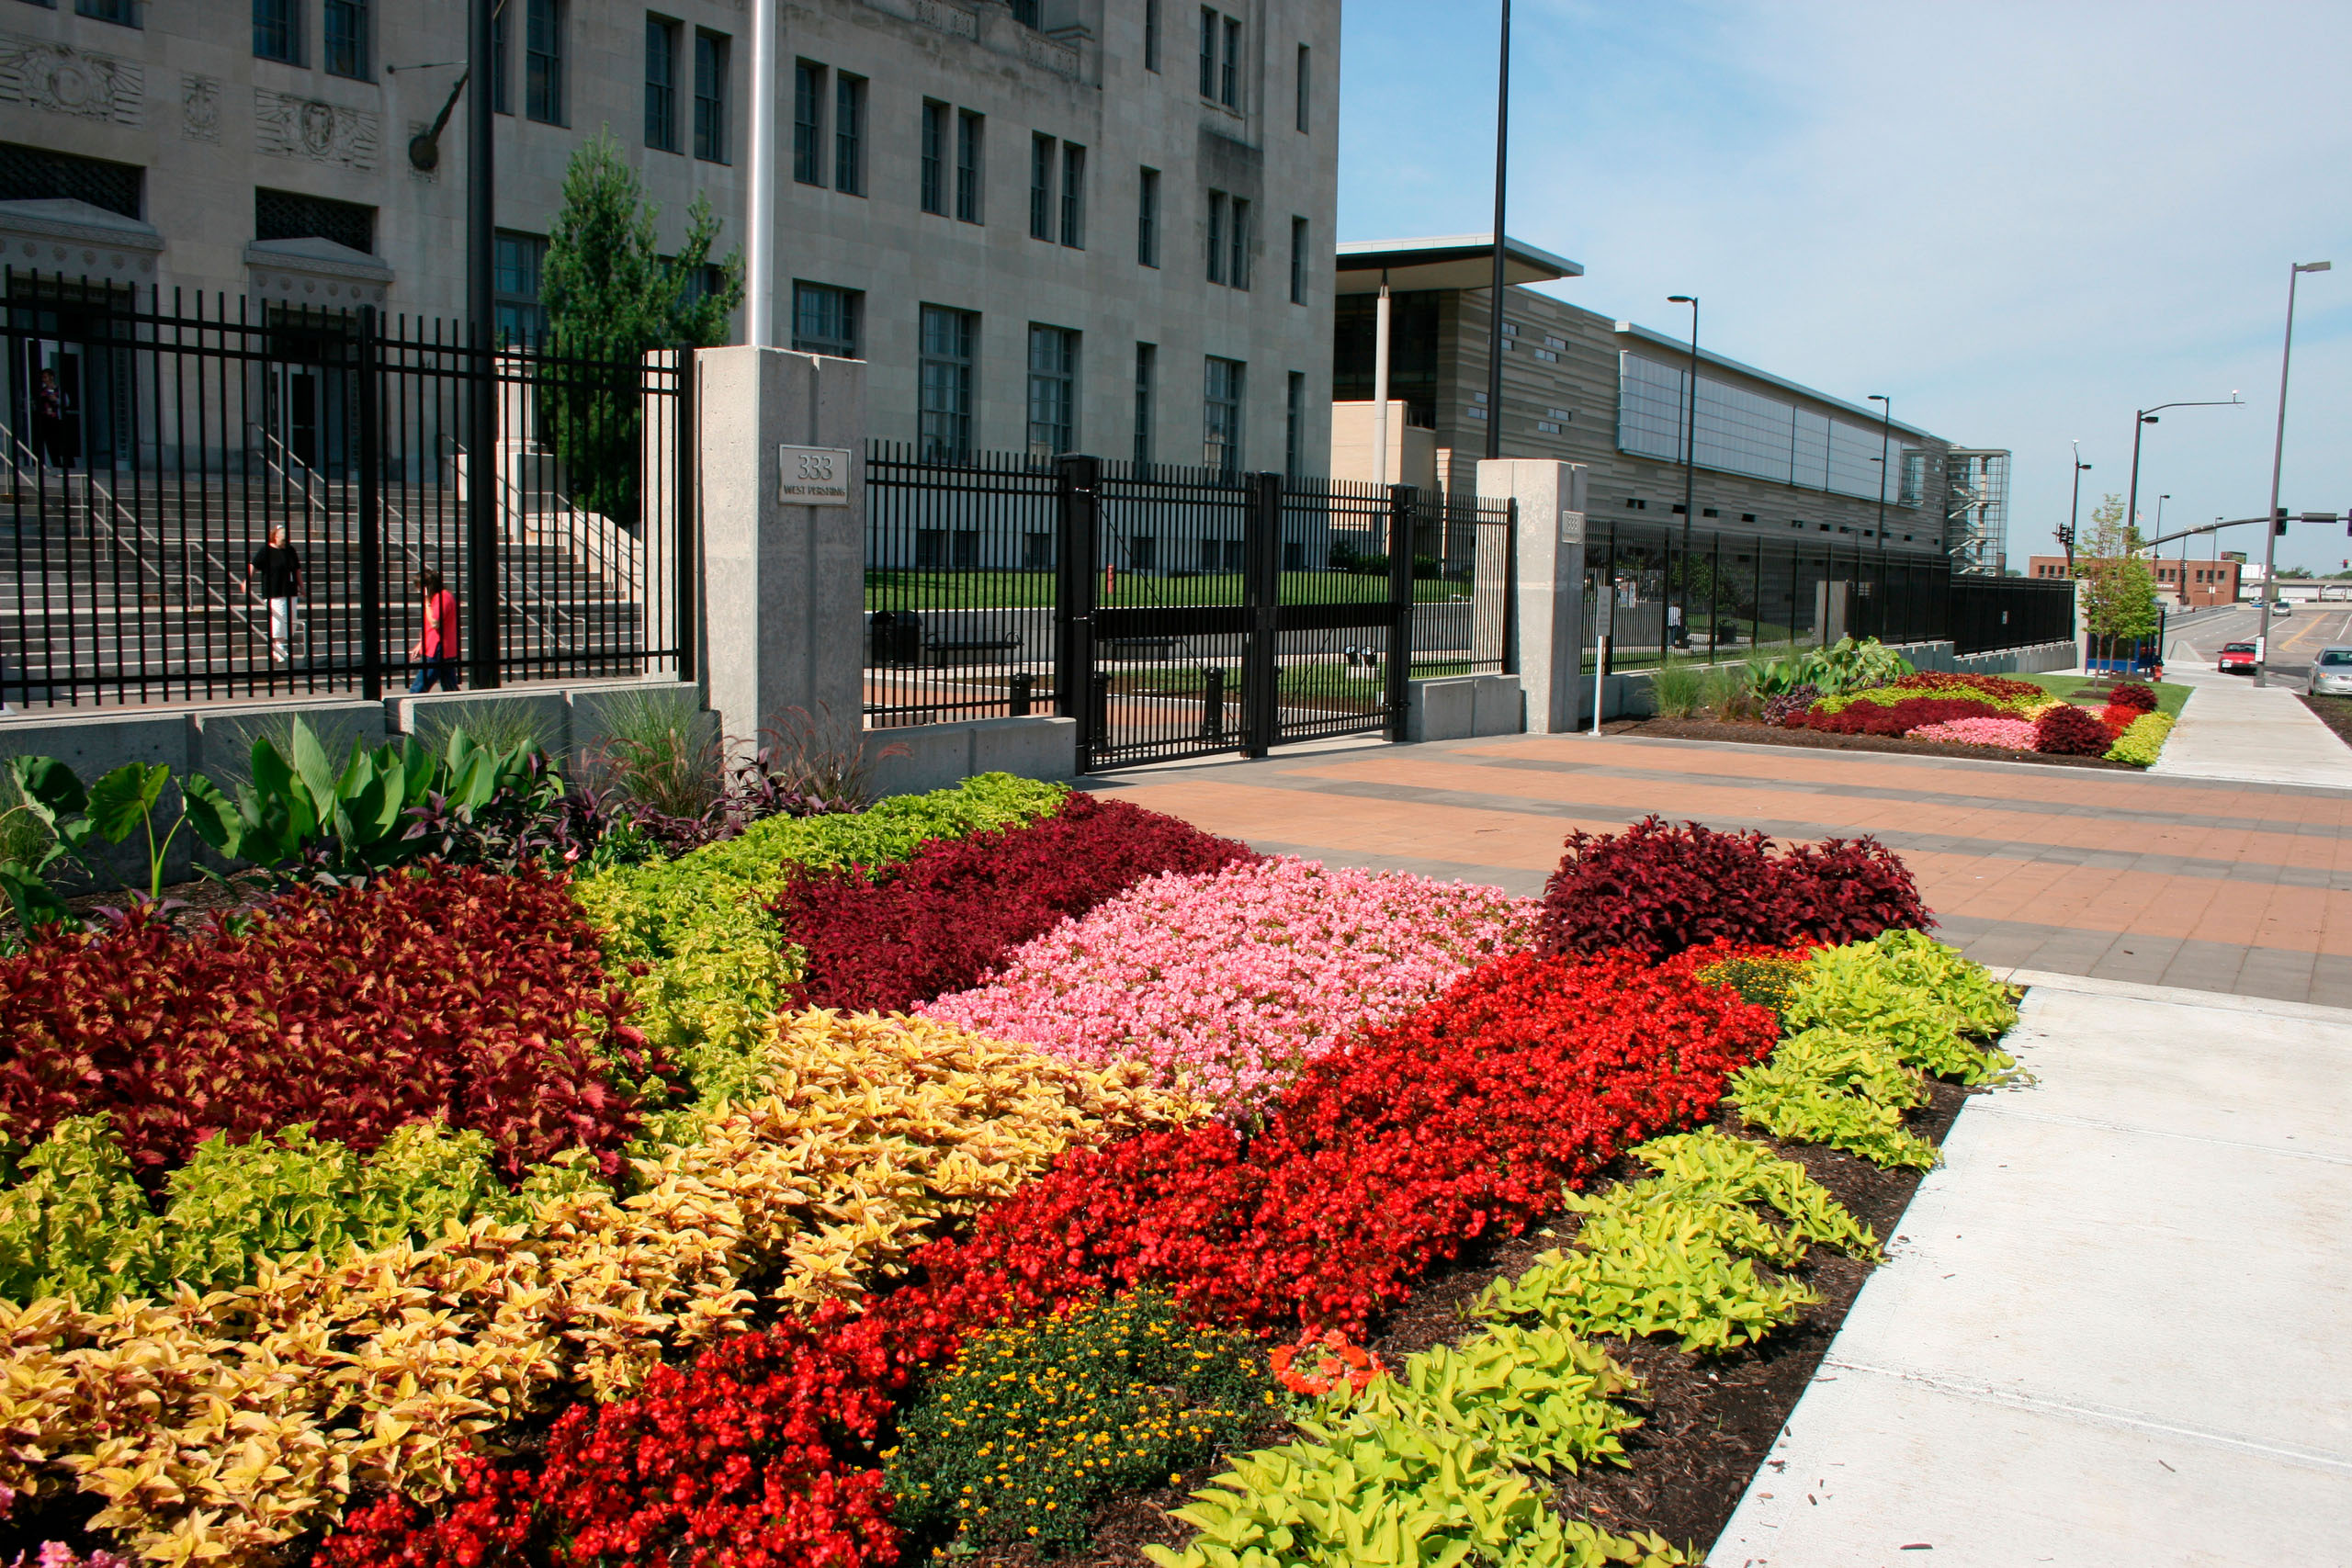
column 1869, row 1021
column 715, row 967
column 1432, row 1466
column 868, row 1136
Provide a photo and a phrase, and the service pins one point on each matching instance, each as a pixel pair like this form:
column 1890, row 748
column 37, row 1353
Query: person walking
column 436, row 650
column 279, row 566
column 49, row 423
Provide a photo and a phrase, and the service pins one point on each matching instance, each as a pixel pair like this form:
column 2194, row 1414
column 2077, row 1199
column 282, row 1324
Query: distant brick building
column 2193, row 584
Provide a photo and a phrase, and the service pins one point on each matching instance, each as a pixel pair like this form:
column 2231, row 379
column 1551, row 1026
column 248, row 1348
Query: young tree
column 611, row 297
column 2119, row 587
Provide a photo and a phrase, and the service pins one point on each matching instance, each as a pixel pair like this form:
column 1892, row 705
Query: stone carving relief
column 201, row 108
column 69, row 81
column 947, row 18
column 288, row 127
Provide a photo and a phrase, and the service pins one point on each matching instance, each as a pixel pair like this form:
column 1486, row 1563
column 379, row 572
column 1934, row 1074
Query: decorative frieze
column 201, row 108
column 319, row 133
column 70, row 81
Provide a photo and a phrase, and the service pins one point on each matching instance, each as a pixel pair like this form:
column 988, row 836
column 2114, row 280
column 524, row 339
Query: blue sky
column 2021, row 221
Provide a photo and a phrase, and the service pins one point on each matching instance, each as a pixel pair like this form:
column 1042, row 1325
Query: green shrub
column 77, row 1224
column 1729, row 692
column 1033, row 1425
column 707, row 968
column 1675, row 690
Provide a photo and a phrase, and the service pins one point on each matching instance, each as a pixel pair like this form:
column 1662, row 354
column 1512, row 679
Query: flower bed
column 2010, row 734
column 1230, row 982
column 452, row 995
column 940, row 919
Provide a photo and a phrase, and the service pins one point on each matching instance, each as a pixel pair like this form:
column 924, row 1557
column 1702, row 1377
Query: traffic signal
column 2279, row 521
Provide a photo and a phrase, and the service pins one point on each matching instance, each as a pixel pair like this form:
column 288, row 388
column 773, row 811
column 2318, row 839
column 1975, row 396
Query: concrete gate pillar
column 1551, row 496
column 781, row 441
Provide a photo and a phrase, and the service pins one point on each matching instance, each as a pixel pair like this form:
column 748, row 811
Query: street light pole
column 1885, row 429
column 1495, row 325
column 2278, row 456
column 2075, row 512
column 1690, row 451
column 2141, row 420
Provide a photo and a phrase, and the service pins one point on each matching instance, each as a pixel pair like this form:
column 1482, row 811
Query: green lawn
column 1035, row 590
column 2170, row 695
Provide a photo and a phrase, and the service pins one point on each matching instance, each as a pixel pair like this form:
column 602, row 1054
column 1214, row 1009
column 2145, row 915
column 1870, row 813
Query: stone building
column 1774, row 458
column 1048, row 224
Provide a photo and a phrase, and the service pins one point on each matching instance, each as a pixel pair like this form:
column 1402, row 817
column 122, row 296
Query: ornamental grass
column 1229, row 984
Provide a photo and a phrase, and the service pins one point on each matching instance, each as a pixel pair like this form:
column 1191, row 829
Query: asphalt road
column 2295, row 638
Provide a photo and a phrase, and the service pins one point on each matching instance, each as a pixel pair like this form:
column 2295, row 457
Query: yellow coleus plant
column 221, row 1425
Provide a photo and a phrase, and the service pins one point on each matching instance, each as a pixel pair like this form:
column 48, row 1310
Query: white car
column 2282, row 608
column 2332, row 673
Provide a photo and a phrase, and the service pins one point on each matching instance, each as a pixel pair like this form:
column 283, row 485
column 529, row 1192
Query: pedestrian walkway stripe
column 2094, row 1415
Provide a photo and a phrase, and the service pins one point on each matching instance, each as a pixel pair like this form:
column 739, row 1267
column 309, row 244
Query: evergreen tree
column 611, row 297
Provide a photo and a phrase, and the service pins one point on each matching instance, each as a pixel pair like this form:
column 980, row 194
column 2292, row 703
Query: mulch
column 1708, row 1422
column 2333, row 712
column 1767, row 735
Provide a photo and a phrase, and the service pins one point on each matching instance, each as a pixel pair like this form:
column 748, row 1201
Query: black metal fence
column 151, row 453
column 1213, row 611
column 1734, row 595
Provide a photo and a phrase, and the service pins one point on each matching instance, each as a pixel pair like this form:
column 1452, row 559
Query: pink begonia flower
column 2015, row 734
column 1230, row 982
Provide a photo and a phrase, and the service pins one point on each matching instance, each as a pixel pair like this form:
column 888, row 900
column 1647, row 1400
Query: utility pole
column 1689, row 454
column 1495, row 326
column 2277, row 456
column 482, row 328
column 1886, row 431
column 2074, row 512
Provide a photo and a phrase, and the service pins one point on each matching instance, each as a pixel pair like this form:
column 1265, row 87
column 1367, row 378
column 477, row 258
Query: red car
column 2237, row 658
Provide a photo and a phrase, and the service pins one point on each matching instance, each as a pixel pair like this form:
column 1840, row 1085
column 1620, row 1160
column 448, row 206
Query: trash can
column 895, row 636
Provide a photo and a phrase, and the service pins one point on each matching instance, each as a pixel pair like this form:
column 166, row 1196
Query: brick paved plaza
column 2194, row 883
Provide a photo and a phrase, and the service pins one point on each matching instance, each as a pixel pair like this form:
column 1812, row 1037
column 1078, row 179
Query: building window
column 345, row 38
column 1298, row 260
column 1147, row 375
column 849, row 134
column 1151, row 35
column 277, row 30
column 287, row 215
column 1547, row 355
column 543, row 60
column 1546, row 427
column 945, row 416
column 1229, row 68
column 934, row 158
column 1221, row 416
column 1237, row 273
column 1294, row 422
column 520, row 319
column 661, row 84
column 968, row 129
column 1208, row 52
column 824, row 319
column 124, row 13
column 1073, row 196
column 1305, row 76
column 37, row 174
column 809, row 123
column 1216, row 236
column 501, row 69
column 710, row 98
column 1147, row 218
column 1041, row 187
column 1053, row 390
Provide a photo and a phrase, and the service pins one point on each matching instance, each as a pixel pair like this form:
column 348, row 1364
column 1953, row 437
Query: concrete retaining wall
column 1462, row 707
column 935, row 756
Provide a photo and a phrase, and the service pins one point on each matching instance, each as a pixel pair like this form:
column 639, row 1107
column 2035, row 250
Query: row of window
column 825, row 321
column 279, row 34
column 665, row 44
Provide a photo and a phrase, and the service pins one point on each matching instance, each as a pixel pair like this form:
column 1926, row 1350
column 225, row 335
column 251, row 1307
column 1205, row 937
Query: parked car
column 2238, row 659
column 2281, row 607
column 2332, row 673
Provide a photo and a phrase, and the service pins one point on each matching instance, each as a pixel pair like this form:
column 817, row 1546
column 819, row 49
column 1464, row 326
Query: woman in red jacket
column 436, row 650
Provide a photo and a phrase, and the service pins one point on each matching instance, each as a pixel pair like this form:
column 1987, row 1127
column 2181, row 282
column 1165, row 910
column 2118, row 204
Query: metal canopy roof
column 1449, row 261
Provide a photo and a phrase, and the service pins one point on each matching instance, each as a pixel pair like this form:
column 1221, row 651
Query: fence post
column 1509, row 665
column 689, row 569
column 1261, row 674
column 1078, row 481
column 1544, row 645
column 1399, row 672
column 482, row 511
column 371, row 482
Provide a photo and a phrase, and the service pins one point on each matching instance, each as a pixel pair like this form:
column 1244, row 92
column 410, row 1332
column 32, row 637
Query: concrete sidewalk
column 2116, row 1326
column 2231, row 729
